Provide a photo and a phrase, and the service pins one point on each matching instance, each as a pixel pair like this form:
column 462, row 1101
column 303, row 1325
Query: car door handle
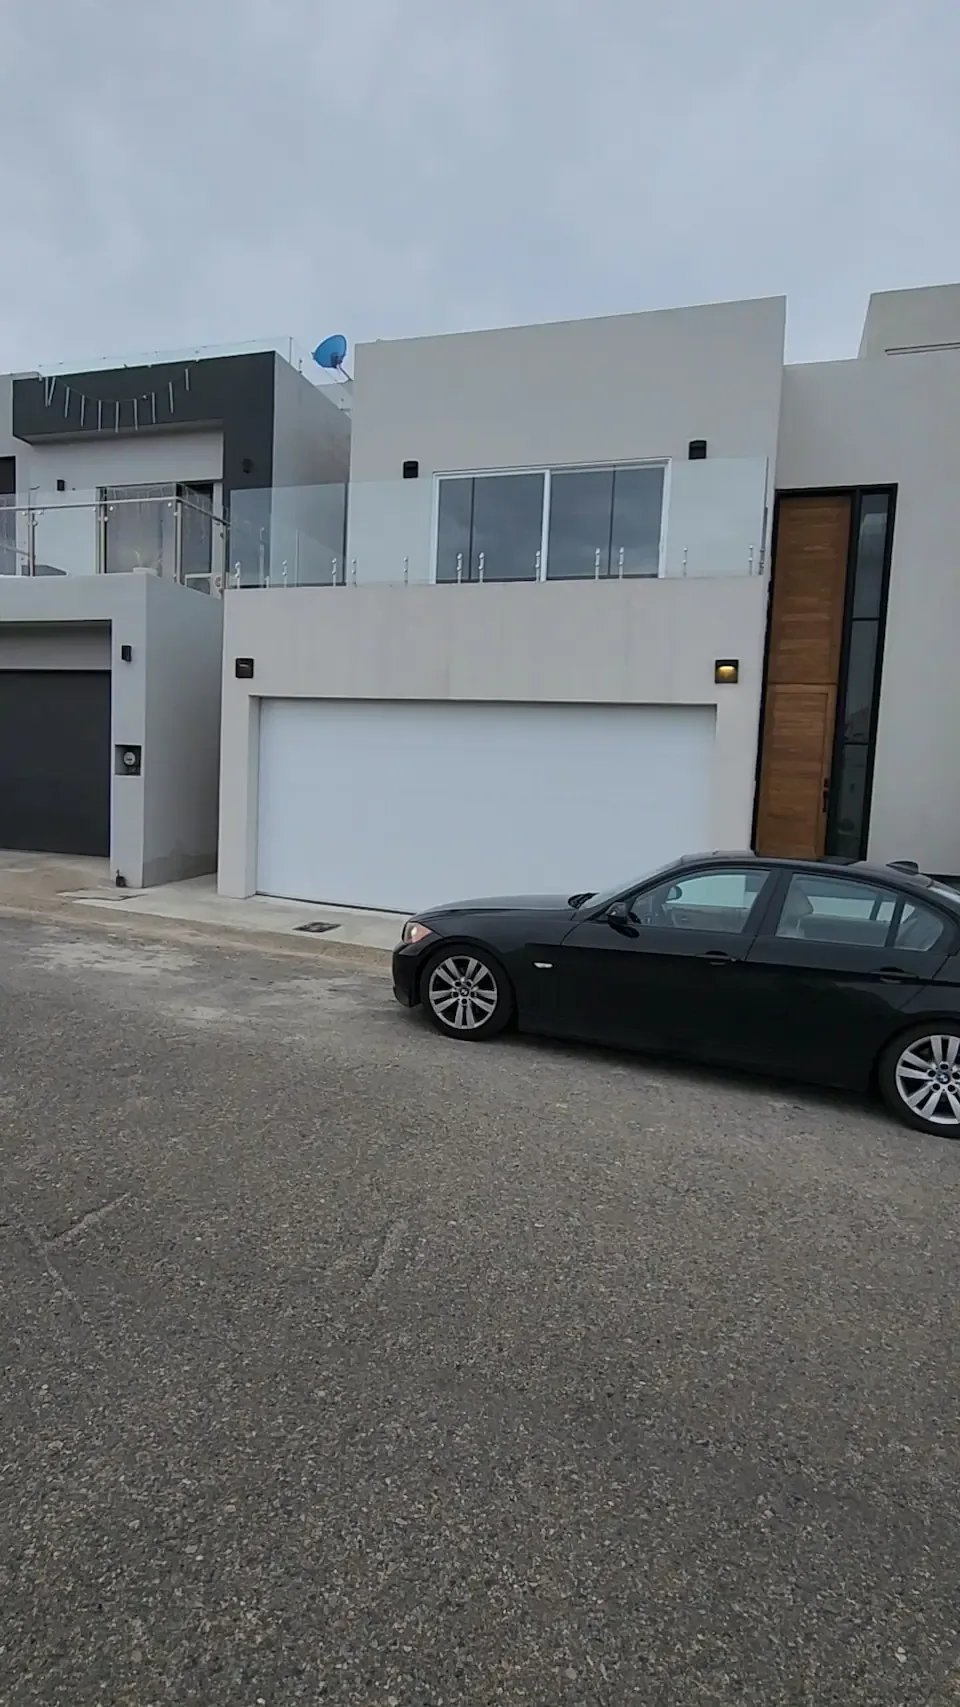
column 717, row 957
column 891, row 975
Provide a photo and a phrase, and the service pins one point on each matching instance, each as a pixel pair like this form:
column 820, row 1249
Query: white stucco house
column 612, row 591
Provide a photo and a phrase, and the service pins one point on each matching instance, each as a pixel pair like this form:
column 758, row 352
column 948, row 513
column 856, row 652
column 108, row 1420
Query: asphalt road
column 343, row 1364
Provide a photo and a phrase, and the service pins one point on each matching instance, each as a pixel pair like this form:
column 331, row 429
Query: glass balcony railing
column 147, row 530
column 645, row 521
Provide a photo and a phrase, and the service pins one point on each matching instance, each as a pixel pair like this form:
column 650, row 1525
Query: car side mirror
column 618, row 917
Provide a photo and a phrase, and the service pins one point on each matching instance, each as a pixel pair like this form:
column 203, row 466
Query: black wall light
column 126, row 654
column 697, row 450
column 726, row 670
column 411, row 469
column 243, row 669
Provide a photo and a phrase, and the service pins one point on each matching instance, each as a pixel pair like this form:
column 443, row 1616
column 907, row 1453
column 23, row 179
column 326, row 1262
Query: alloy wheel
column 463, row 992
column 927, row 1077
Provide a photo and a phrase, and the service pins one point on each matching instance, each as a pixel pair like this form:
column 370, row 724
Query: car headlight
column 414, row 931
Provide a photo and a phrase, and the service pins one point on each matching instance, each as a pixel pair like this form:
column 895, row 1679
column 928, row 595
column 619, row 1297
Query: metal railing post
column 177, row 541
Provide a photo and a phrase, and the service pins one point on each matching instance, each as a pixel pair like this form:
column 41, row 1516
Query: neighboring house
column 115, row 486
column 555, row 654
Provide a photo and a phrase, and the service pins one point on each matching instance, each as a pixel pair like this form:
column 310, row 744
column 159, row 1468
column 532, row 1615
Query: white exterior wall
column 911, row 319
column 896, row 420
column 620, row 643
column 163, row 822
column 133, row 459
column 626, row 387
column 629, row 388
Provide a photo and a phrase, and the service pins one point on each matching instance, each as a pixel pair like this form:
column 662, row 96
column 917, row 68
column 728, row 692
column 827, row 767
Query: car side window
column 706, row 901
column 920, row 929
column 829, row 909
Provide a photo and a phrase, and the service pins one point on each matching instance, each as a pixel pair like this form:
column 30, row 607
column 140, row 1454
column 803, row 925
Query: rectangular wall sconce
column 726, row 670
column 243, row 669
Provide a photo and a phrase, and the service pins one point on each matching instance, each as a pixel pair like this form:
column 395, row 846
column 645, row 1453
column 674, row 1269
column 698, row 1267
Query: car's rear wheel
column 920, row 1078
column 466, row 994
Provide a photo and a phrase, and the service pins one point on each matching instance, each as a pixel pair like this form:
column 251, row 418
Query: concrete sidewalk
column 43, row 883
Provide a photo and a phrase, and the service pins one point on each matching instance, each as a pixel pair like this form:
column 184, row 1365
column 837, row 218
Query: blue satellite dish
column 332, row 352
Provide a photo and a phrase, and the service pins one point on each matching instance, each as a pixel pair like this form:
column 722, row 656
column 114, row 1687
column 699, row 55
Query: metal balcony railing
column 127, row 530
column 700, row 520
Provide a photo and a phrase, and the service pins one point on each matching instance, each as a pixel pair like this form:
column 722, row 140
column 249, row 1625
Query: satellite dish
column 332, row 352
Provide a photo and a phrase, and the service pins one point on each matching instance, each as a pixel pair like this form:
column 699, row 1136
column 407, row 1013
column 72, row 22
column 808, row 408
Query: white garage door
column 400, row 805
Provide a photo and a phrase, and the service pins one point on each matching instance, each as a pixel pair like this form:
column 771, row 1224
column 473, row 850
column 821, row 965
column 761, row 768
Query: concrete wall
column 52, row 646
column 897, row 420
column 629, row 388
column 163, row 822
column 181, row 760
column 630, row 642
column 619, row 389
column 900, row 320
column 145, row 459
column 311, row 435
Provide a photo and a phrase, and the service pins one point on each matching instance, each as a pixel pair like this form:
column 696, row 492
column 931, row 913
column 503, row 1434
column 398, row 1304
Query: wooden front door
column 803, row 668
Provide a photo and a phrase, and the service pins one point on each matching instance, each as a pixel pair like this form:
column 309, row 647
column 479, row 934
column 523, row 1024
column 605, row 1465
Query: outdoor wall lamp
column 726, row 670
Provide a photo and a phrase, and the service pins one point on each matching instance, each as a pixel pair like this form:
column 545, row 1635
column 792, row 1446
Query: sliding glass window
column 557, row 524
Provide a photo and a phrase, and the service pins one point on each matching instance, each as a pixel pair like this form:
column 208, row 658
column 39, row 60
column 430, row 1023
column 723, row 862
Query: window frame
column 942, row 949
column 840, row 741
column 759, row 915
column 547, row 470
column 753, row 915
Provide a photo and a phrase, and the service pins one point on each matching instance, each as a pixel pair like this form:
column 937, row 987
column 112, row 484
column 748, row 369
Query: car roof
column 896, row 872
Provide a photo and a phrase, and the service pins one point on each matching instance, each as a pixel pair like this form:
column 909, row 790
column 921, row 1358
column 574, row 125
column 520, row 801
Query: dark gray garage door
column 55, row 760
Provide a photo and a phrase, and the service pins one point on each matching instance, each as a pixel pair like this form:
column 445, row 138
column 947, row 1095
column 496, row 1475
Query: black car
column 842, row 974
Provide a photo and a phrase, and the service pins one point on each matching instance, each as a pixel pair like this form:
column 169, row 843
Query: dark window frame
column 858, row 495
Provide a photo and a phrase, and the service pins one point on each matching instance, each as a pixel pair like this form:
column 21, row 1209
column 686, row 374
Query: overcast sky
column 204, row 171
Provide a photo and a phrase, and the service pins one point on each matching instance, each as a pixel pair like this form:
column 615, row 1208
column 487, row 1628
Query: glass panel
column 868, row 565
column 637, row 509
column 196, row 546
column 65, row 529
column 581, row 503
column 454, row 513
column 847, row 833
column 249, row 540
column 832, row 909
column 858, row 688
column 507, row 526
column 711, row 901
column 140, row 529
column 920, row 929
column 8, row 534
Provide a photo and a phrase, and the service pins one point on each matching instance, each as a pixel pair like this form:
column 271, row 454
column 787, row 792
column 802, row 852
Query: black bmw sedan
column 841, row 974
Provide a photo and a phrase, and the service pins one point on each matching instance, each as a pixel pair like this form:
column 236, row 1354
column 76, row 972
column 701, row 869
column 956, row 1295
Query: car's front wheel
column 466, row 994
column 920, row 1078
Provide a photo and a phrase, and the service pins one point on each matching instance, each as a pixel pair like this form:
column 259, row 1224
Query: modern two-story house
column 611, row 591
column 116, row 488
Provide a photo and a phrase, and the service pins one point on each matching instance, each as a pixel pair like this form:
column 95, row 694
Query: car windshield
column 603, row 897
